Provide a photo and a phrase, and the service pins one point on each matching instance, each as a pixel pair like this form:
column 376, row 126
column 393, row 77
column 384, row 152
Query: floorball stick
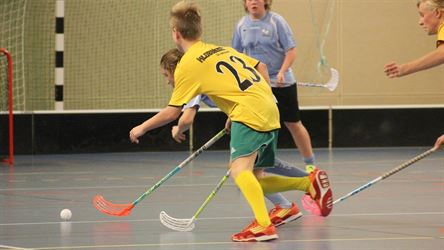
column 330, row 85
column 311, row 207
column 185, row 225
column 386, row 175
column 114, row 209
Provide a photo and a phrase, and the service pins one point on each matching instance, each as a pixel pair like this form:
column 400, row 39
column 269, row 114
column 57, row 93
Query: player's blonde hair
column 185, row 18
column 267, row 5
column 170, row 59
column 432, row 4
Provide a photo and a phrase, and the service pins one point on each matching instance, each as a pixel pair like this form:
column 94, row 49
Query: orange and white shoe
column 256, row 232
column 280, row 216
column 320, row 191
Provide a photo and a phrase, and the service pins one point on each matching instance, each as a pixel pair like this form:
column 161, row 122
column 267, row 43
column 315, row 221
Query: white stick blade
column 334, row 80
column 182, row 225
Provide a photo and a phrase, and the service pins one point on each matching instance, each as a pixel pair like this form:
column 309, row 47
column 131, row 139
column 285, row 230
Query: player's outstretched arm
column 428, row 61
column 165, row 116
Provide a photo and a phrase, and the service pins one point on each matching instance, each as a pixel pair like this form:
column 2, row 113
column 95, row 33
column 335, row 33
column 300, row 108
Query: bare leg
column 242, row 164
column 301, row 138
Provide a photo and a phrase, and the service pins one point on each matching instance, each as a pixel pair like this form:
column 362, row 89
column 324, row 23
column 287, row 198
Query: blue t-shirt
column 266, row 40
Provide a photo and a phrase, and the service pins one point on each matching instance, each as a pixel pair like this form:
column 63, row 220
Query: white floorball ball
column 65, row 214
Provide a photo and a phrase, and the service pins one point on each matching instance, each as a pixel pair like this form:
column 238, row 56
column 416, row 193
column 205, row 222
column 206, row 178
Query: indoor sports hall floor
column 405, row 211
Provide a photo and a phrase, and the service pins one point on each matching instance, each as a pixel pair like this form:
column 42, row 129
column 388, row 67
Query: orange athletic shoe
column 320, row 191
column 280, row 216
column 256, row 232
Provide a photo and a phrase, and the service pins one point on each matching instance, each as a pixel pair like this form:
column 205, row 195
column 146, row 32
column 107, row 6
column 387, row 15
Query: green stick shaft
column 212, row 194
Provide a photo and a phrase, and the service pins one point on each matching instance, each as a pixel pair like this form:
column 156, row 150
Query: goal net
column 6, row 115
column 12, row 20
column 111, row 50
column 12, row 82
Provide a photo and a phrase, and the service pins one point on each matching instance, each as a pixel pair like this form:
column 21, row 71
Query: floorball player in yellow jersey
column 431, row 18
column 238, row 85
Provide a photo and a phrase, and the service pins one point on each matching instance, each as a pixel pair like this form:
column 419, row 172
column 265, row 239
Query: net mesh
column 5, row 117
column 39, row 54
column 3, row 83
column 111, row 52
column 113, row 49
column 12, row 19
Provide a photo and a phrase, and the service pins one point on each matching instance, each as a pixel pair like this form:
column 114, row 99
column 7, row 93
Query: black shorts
column 288, row 105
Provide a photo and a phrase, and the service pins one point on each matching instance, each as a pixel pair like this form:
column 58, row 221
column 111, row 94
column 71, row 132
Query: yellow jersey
column 440, row 38
column 230, row 80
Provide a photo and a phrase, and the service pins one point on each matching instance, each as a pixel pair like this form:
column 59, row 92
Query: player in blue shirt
column 266, row 36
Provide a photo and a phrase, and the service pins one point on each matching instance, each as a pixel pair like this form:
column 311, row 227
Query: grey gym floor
column 404, row 211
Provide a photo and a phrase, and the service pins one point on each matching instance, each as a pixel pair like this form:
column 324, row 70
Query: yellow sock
column 275, row 184
column 252, row 191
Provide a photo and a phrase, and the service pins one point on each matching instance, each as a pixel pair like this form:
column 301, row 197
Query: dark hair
column 170, row 59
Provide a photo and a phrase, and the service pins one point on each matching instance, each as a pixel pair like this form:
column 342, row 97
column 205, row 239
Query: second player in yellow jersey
column 231, row 81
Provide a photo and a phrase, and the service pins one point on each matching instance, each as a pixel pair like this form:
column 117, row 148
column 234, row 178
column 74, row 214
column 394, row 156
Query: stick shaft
column 309, row 84
column 211, row 196
column 330, row 85
column 386, row 175
column 181, row 165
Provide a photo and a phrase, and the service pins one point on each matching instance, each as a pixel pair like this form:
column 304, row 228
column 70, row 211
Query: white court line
column 191, row 185
column 327, row 164
column 84, row 179
column 233, row 243
column 47, row 173
column 109, row 187
column 214, row 218
column 11, row 247
column 49, row 180
column 17, row 181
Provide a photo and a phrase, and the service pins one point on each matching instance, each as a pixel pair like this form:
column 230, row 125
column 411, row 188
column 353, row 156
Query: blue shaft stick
column 386, row 175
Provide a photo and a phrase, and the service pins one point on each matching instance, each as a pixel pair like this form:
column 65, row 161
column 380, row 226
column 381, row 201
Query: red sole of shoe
column 327, row 203
column 324, row 195
column 258, row 239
